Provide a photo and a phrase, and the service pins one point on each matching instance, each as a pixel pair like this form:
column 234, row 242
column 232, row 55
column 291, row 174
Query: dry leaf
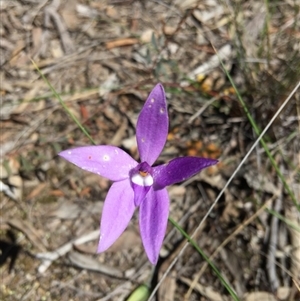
column 206, row 291
column 16, row 53
column 36, row 34
column 261, row 296
column 186, row 4
column 88, row 263
column 56, row 49
column 147, row 36
column 57, row 192
column 121, row 42
column 293, row 217
column 260, row 182
column 68, row 12
column 166, row 291
column 109, row 84
column 176, row 191
column 3, row 172
column 36, row 191
column 17, row 186
column 224, row 53
column 128, row 240
column 283, row 292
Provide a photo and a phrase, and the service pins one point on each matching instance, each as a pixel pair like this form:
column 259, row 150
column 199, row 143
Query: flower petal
column 179, row 169
column 117, row 212
column 140, row 193
column 152, row 125
column 154, row 211
column 108, row 161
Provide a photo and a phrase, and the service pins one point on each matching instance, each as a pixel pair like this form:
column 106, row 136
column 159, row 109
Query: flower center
column 142, row 179
column 143, row 173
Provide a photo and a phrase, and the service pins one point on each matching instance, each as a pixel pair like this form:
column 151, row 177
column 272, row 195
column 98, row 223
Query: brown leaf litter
column 103, row 57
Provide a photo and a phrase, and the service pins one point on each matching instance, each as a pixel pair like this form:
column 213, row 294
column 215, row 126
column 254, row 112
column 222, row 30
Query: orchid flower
column 138, row 184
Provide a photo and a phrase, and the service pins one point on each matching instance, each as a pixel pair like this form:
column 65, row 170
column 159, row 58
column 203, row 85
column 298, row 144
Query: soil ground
column 103, row 58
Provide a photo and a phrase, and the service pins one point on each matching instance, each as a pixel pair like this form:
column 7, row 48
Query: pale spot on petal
column 162, row 110
column 152, row 100
column 143, row 139
column 106, row 158
column 69, row 153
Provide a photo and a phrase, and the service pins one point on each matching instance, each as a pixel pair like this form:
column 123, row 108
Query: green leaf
column 154, row 41
column 141, row 293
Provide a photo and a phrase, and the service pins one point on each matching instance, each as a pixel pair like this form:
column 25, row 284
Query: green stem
column 214, row 268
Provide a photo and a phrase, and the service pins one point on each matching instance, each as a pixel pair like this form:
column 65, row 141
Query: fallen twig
column 48, row 257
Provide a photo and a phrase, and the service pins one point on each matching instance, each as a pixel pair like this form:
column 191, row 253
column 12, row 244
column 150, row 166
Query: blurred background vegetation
column 103, row 58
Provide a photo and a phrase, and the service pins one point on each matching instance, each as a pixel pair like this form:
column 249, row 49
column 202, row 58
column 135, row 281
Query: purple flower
column 138, row 184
